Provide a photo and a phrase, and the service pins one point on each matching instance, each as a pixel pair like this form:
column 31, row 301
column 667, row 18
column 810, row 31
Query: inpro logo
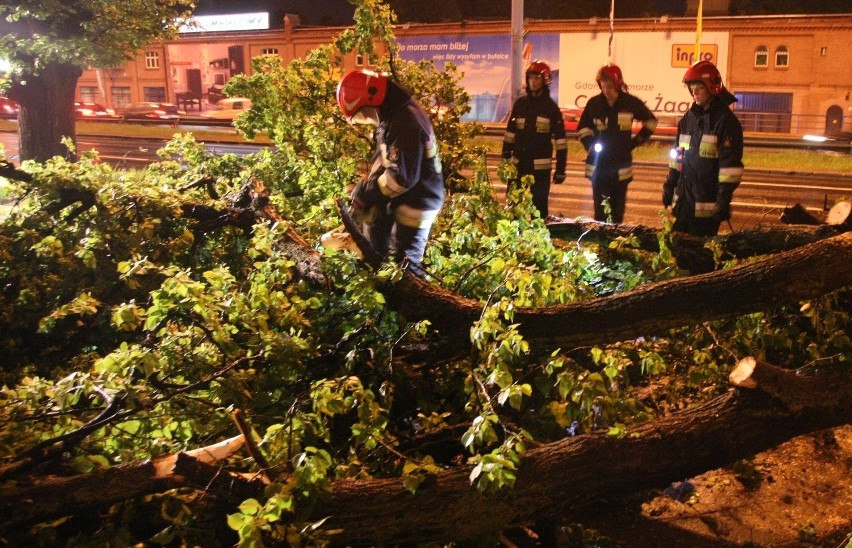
column 683, row 55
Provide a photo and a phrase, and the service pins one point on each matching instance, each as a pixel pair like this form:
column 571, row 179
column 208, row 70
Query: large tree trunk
column 47, row 111
column 691, row 251
column 800, row 274
column 770, row 406
column 578, row 470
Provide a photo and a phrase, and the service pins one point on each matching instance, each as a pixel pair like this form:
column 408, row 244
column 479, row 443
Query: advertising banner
column 485, row 62
column 653, row 64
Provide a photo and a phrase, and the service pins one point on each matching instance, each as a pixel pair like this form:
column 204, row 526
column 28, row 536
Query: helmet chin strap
column 366, row 116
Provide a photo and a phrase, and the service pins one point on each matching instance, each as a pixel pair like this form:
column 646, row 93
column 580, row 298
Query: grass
column 226, row 134
column 802, row 161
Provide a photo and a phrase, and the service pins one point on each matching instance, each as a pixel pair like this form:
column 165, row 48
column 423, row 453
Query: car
column 571, row 117
column 152, row 111
column 8, row 108
column 87, row 110
column 228, row 108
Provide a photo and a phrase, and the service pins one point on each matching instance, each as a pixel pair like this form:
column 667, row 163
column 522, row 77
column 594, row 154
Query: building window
column 152, row 60
column 761, row 56
column 269, row 51
column 361, row 59
column 823, row 51
column 120, row 97
column 88, row 94
column 782, row 57
column 155, row 94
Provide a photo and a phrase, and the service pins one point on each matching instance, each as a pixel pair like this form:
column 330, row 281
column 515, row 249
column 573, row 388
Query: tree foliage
column 83, row 33
column 47, row 44
column 147, row 312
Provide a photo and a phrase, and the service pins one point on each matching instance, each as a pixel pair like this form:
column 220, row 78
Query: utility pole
column 517, row 47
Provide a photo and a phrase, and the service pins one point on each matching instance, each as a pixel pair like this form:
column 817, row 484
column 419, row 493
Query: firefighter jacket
column 535, row 127
column 406, row 173
column 706, row 164
column 607, row 133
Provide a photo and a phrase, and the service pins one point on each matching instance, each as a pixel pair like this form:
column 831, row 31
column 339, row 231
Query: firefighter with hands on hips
column 534, row 129
column 606, row 131
column 706, row 165
column 401, row 196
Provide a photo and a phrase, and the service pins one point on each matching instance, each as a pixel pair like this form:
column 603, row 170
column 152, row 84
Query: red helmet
column 359, row 89
column 611, row 72
column 540, row 68
column 706, row 73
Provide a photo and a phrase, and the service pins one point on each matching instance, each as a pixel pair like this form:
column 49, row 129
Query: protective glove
column 558, row 178
column 722, row 211
column 668, row 195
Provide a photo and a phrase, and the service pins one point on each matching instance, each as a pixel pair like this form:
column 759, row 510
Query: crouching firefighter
column 398, row 201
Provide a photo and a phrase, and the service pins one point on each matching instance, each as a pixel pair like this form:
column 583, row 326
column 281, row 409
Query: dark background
column 339, row 12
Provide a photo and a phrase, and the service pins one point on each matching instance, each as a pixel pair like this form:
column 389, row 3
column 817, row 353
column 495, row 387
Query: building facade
column 790, row 73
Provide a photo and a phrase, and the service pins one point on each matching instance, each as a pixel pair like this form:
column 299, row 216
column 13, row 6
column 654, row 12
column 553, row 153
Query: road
column 760, row 199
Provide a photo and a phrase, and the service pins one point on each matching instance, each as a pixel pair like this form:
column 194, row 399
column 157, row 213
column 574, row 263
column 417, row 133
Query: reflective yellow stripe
column 561, row 144
column 431, row 149
column 730, row 174
column 520, row 123
column 585, row 132
column 384, row 150
column 625, row 173
column 541, row 163
column 389, row 186
column 509, row 137
column 684, row 141
column 709, row 147
column 542, row 124
column 704, row 210
column 415, row 218
column 625, row 121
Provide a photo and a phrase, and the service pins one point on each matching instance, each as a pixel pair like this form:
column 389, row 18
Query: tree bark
column 771, row 406
column 25, row 502
column 46, row 112
column 804, row 273
column 574, row 471
column 691, row 252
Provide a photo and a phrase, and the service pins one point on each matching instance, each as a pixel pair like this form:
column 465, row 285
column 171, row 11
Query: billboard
column 653, row 64
column 485, row 64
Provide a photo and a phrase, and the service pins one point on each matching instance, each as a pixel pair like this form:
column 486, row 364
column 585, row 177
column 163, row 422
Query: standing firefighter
column 535, row 126
column 606, row 131
column 706, row 165
column 403, row 193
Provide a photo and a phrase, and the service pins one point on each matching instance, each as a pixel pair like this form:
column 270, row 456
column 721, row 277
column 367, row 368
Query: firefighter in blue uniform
column 606, row 132
column 404, row 191
column 706, row 165
column 534, row 129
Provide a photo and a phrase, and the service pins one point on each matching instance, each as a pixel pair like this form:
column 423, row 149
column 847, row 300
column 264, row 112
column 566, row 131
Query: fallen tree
column 803, row 273
column 653, row 308
column 692, row 252
column 766, row 407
